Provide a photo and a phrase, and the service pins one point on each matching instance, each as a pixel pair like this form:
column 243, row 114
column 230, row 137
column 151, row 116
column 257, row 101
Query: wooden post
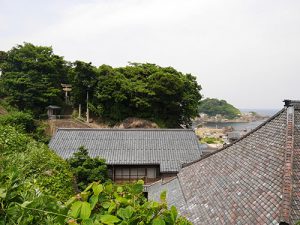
column 79, row 111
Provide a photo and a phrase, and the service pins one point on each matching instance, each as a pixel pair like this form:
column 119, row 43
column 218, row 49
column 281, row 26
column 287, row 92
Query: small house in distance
column 53, row 111
column 132, row 154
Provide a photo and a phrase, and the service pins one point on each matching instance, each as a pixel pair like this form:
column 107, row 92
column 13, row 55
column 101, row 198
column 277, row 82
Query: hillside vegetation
column 32, row 76
column 213, row 107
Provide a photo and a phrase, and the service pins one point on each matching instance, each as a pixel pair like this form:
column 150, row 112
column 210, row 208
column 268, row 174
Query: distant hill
column 213, row 106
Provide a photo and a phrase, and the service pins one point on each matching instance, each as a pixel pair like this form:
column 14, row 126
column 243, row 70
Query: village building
column 255, row 180
column 53, row 111
column 132, row 154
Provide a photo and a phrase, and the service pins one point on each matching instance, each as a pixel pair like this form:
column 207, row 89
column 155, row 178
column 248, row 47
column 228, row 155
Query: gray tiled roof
column 256, row 180
column 169, row 148
column 174, row 194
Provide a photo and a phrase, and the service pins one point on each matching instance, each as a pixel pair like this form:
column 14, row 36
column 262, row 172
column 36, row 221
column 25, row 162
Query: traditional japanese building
column 255, row 180
column 132, row 154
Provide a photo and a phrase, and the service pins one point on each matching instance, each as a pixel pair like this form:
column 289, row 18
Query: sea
column 246, row 126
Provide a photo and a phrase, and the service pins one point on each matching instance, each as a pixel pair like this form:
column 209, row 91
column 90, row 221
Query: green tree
column 87, row 169
column 31, row 77
column 148, row 91
column 83, row 78
column 213, row 106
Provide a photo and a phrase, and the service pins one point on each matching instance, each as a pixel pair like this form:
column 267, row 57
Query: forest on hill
column 32, row 76
column 213, row 107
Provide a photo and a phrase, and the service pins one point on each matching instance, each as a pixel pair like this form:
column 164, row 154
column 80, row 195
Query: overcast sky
column 244, row 51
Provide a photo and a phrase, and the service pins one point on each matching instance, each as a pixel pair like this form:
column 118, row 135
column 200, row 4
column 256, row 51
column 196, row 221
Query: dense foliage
column 87, row 169
column 113, row 204
column 20, row 120
column 36, row 163
column 163, row 95
column 23, row 203
column 25, row 122
column 31, row 175
column 213, row 106
column 32, row 76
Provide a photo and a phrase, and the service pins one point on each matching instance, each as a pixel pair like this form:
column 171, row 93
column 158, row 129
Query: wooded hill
column 32, row 76
column 213, row 107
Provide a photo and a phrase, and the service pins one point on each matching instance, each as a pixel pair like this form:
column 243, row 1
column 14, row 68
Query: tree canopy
column 148, row 91
column 32, row 76
column 213, row 106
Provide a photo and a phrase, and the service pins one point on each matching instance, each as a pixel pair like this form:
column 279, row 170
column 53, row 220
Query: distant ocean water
column 236, row 126
column 263, row 112
column 244, row 126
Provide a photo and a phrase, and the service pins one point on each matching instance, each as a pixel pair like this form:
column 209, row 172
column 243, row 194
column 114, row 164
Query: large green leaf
column 112, row 207
column 75, row 209
column 119, row 189
column 97, row 189
column 70, row 201
column 109, row 219
column 87, row 222
column 158, row 221
column 85, row 211
column 106, row 205
column 125, row 213
column 93, row 201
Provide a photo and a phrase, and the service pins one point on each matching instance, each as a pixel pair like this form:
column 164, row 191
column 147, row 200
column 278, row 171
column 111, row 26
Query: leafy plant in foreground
column 106, row 204
column 113, row 204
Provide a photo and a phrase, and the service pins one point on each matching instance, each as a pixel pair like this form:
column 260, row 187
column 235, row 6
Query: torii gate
column 67, row 88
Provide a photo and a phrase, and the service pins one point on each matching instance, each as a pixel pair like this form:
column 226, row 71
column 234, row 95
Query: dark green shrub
column 12, row 141
column 25, row 122
column 87, row 169
column 35, row 161
column 20, row 120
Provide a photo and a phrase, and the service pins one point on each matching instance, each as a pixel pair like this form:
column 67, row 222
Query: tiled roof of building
column 255, row 180
column 169, row 148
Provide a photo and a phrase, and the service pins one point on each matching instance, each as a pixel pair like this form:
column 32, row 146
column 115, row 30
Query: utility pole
column 87, row 105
